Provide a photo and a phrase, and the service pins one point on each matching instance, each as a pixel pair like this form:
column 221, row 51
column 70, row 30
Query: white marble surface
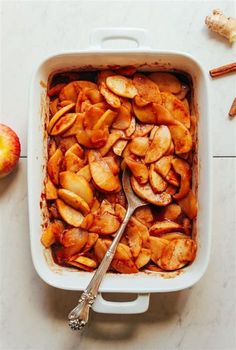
column 33, row 314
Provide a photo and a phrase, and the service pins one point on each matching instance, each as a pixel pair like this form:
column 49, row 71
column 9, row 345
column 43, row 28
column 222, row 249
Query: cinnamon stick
column 228, row 68
column 232, row 111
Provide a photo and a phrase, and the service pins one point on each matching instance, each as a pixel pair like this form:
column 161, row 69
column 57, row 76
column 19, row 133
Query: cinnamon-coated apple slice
column 138, row 169
column 143, row 258
column 163, row 165
column 145, row 192
column 75, row 237
column 157, row 183
column 135, row 227
column 139, row 146
column 105, row 120
column 181, row 137
column 101, row 173
column 120, row 211
column 173, row 178
column 74, row 200
column 177, row 254
column 166, row 226
column 176, row 107
column 144, row 215
column 159, row 145
column 54, row 165
column 172, row 211
column 104, row 224
column 83, row 263
column 189, row 205
column 173, row 235
column 76, row 149
column 49, row 234
column 157, row 246
column 111, row 98
column 112, row 139
column 58, row 115
column 92, row 115
column 121, row 86
column 145, row 114
column 50, row 189
column 184, row 170
column 85, row 172
column 166, row 82
column 134, row 241
column 122, row 261
column 76, row 126
column 131, row 129
column 72, row 162
column 101, row 247
column 123, row 119
column 77, row 184
column 92, row 238
column 63, row 124
column 119, row 147
column 142, row 130
column 70, row 215
column 147, row 89
column 72, row 89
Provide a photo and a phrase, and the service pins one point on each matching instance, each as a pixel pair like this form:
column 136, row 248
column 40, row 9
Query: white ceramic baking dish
column 146, row 59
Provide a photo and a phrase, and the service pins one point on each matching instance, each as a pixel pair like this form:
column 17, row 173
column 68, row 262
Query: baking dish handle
column 137, row 306
column 138, row 35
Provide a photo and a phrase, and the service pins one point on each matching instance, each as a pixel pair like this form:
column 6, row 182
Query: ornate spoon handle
column 78, row 317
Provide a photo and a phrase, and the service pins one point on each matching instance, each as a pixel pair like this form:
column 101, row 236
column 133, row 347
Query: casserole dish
column 145, row 59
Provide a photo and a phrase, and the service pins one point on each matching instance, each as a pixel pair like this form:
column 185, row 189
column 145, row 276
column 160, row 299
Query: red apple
column 9, row 150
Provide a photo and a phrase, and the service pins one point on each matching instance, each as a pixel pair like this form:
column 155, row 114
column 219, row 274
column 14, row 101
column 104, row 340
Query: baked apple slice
column 119, row 147
column 163, row 165
column 177, row 254
column 145, row 192
column 70, row 215
column 177, row 108
column 77, row 184
column 145, row 114
column 75, row 237
column 136, row 227
column 50, row 189
column 121, row 86
column 85, row 172
column 172, row 211
column 54, row 165
column 123, row 119
column 147, row 89
column 157, row 246
column 157, row 183
column 139, row 146
column 74, row 200
column 112, row 139
column 159, row 145
column 131, row 129
column 50, row 232
column 181, row 137
column 166, row 82
column 105, row 120
column 102, row 175
column 58, row 115
column 104, row 224
column 161, row 227
column 72, row 162
column 83, row 262
column 63, row 124
column 189, row 205
column 183, row 169
column 138, row 169
column 143, row 258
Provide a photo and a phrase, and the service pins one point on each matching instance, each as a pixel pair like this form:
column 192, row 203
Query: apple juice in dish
column 99, row 123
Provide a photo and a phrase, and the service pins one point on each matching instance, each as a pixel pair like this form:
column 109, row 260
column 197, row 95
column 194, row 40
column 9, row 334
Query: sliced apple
column 101, row 247
column 74, row 200
column 162, row 115
column 112, row 164
column 53, row 106
column 139, row 146
column 177, row 254
column 144, row 215
column 147, row 89
column 95, row 206
column 172, row 211
column 163, row 165
column 76, row 149
column 153, row 131
column 134, row 240
column 183, row 92
column 98, row 137
column 161, row 227
column 85, row 263
column 121, row 86
column 84, row 139
column 119, row 147
column 157, row 183
column 92, row 115
column 65, row 142
column 166, row 82
column 142, row 130
column 71, row 90
column 143, row 258
column 140, row 101
column 171, row 189
column 50, row 190
column 189, row 205
column 92, row 239
column 105, row 120
column 63, row 124
column 112, row 99
column 50, row 232
column 177, row 108
column 104, row 224
column 85, row 172
column 72, row 162
column 76, row 126
column 101, row 173
column 122, row 261
column 112, row 139
column 146, row 114
column 139, row 170
column 120, row 211
column 184, row 170
column 171, row 149
column 157, row 246
column 54, row 164
column 58, row 115
column 55, row 90
column 106, row 207
column 181, row 137
column 123, row 119
column 131, row 129
column 75, row 236
column 145, row 192
column 135, row 227
column 69, row 215
column 94, row 96
column 77, row 184
column 52, row 147
column 172, row 178
column 159, row 145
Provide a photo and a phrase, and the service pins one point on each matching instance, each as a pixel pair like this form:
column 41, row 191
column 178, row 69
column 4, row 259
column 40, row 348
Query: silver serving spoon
column 78, row 317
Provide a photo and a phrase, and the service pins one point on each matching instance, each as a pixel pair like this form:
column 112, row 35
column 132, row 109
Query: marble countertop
column 33, row 314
